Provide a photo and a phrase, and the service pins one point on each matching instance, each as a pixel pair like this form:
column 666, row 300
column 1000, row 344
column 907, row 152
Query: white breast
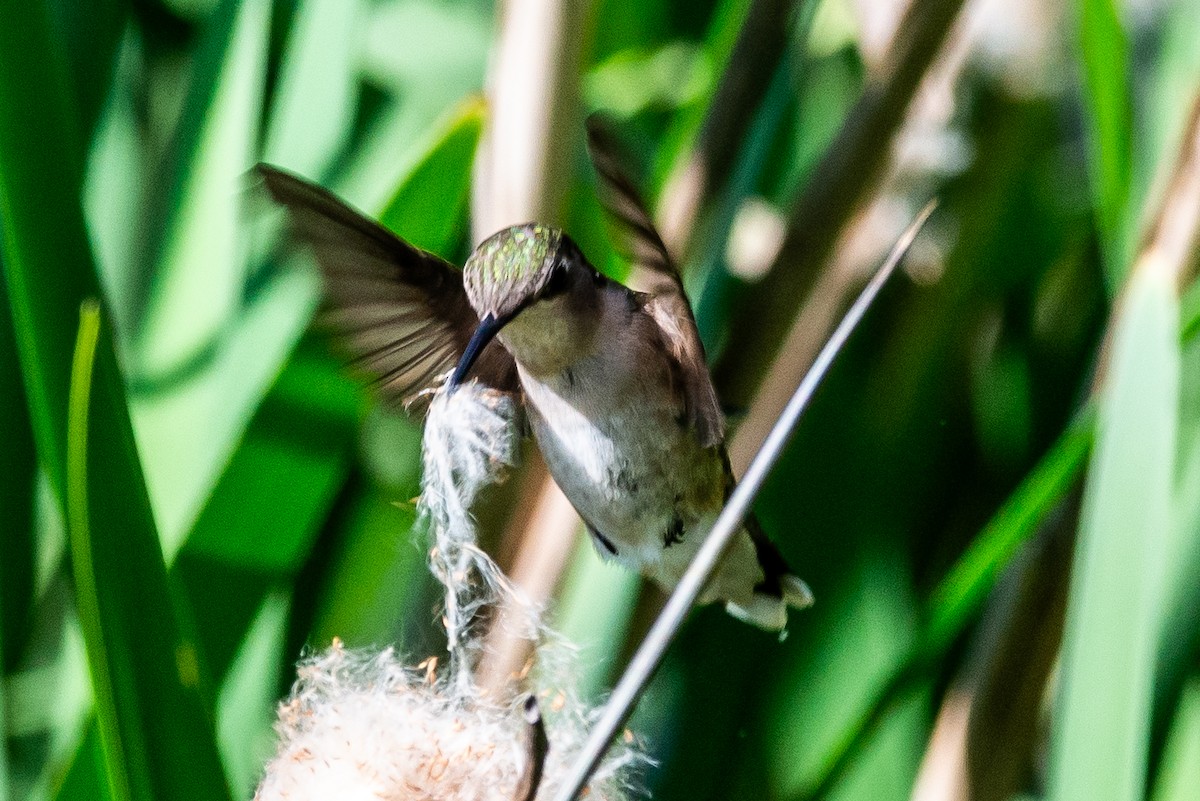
column 609, row 429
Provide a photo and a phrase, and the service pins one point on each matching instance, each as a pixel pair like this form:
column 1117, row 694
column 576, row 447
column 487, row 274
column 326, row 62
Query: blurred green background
column 995, row 497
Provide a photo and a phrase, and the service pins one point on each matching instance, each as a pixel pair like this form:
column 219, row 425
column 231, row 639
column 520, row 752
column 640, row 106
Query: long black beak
column 488, row 327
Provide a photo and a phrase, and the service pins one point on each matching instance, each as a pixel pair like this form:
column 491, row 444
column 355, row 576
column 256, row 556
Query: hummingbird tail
column 796, row 593
column 768, row 611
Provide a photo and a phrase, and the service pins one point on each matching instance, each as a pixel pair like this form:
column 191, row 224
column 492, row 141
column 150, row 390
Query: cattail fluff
column 363, row 726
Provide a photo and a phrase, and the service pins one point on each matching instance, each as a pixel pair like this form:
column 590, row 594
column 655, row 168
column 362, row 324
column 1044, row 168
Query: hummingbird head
column 533, row 282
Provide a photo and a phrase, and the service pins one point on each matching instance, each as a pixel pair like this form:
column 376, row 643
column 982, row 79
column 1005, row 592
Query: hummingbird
column 613, row 381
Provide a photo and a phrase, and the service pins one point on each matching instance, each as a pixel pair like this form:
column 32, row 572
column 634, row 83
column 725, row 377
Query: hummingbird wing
column 659, row 278
column 401, row 314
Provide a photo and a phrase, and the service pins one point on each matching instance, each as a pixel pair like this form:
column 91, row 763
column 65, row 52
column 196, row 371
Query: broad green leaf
column 313, row 106
column 257, row 527
column 631, row 82
column 823, row 693
column 593, row 612
column 370, row 580
column 965, row 588
column 719, row 39
column 115, row 192
column 1189, row 312
column 377, row 574
column 1180, row 638
column 18, row 467
column 1176, row 781
column 190, row 431
column 405, row 55
column 958, row 597
column 154, row 716
column 194, row 305
column 247, row 702
column 174, row 174
column 45, row 251
column 1114, row 613
column 5, row 781
column 285, row 479
column 80, row 782
column 48, row 271
column 427, row 208
column 1105, row 55
column 91, row 31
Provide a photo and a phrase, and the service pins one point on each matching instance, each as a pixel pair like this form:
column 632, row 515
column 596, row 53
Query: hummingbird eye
column 560, row 281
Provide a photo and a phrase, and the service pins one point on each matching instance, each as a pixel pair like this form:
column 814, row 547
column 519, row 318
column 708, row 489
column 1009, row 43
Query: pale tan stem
column 761, row 44
column 522, row 167
column 1172, row 241
column 522, row 174
column 840, row 185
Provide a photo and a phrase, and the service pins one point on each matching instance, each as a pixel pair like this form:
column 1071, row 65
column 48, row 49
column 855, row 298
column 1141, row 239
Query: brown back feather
column 659, row 278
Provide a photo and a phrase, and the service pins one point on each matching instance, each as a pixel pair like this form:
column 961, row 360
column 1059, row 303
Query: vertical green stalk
column 87, row 596
column 1105, row 55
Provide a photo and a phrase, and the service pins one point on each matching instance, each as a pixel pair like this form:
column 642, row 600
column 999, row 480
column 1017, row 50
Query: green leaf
column 155, row 719
column 428, row 206
column 1115, row 605
column 1177, row 779
column 5, row 781
column 257, row 527
column 165, row 729
column 719, row 39
column 18, row 467
column 375, row 576
column 404, row 53
column 1105, row 54
column 636, row 80
column 122, row 776
column 1180, row 639
column 194, row 310
column 277, row 493
column 962, row 592
column 92, row 31
column 169, row 198
column 79, row 784
column 313, row 107
column 45, row 253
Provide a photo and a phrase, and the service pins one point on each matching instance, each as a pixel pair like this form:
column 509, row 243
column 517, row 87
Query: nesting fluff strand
column 363, row 726
column 471, row 441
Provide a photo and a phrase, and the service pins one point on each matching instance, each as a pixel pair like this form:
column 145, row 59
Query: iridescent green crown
column 510, row 265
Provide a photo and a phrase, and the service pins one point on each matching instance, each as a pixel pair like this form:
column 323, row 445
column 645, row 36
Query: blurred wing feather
column 659, row 278
column 401, row 314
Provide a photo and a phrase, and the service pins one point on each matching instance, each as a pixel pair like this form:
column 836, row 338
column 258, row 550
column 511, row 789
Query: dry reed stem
column 762, row 42
column 1170, row 244
column 521, row 174
column 996, row 755
column 523, row 161
column 836, row 190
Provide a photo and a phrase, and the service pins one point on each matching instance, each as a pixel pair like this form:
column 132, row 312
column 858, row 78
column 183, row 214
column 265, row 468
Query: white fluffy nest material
column 363, row 726
column 472, row 438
